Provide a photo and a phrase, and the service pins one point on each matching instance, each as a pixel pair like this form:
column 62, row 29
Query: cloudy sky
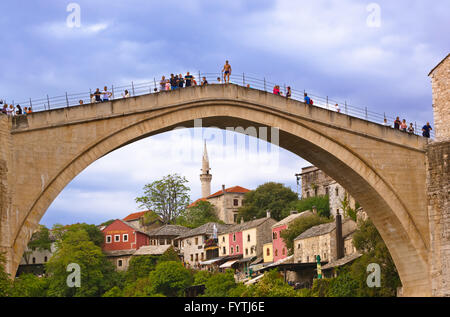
column 372, row 54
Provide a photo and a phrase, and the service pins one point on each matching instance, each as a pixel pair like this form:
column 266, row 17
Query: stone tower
column 440, row 84
column 205, row 176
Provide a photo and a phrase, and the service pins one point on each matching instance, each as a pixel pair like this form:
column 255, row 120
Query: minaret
column 205, row 177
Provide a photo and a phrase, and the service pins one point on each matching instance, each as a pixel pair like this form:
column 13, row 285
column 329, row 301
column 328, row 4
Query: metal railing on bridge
column 246, row 80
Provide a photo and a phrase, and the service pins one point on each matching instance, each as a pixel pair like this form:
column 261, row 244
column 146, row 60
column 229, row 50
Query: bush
column 170, row 279
column 320, row 287
column 220, row 285
column 320, row 202
column 272, row 284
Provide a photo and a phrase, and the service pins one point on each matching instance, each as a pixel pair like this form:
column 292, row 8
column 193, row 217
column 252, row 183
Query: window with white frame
column 117, row 238
column 108, row 239
column 125, row 238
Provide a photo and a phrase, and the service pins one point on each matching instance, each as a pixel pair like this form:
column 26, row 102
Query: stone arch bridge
column 384, row 169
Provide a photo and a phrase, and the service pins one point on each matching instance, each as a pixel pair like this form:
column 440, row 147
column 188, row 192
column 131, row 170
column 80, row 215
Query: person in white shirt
column 106, row 94
column 10, row 110
column 337, row 108
column 385, row 123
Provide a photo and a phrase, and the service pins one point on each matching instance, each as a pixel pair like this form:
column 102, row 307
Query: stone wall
column 440, row 85
column 438, row 189
column 5, row 194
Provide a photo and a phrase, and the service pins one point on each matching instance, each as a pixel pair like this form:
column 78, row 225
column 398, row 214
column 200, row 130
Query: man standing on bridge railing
column 226, row 72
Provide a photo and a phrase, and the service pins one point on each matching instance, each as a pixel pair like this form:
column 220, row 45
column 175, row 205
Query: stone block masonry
column 438, row 189
column 440, row 84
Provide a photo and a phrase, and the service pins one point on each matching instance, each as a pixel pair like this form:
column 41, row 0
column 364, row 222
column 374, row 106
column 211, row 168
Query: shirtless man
column 226, row 72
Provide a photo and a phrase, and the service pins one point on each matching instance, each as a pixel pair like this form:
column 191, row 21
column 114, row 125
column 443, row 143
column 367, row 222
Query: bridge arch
column 341, row 146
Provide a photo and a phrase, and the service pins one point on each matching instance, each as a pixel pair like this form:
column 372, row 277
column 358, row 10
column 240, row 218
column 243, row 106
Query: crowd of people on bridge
column 12, row 110
column 403, row 126
column 179, row 81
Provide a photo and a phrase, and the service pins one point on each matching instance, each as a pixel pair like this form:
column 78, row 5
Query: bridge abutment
column 5, row 191
column 438, row 188
column 438, row 181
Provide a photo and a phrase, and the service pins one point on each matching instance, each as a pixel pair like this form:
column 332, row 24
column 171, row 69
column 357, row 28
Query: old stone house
column 122, row 239
column 247, row 241
column 316, row 183
column 166, row 235
column 279, row 247
column 322, row 240
column 200, row 244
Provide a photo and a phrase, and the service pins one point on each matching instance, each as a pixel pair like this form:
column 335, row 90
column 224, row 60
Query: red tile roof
column 235, row 189
column 134, row 216
column 196, row 202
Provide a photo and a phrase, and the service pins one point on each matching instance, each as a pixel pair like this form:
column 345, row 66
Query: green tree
column 320, row 202
column 344, row 285
column 367, row 240
column 272, row 284
column 221, row 285
column 271, row 196
column 196, row 216
column 107, row 223
column 97, row 273
column 169, row 255
column 113, row 292
column 141, row 266
column 149, row 218
column 299, row 226
column 170, row 279
column 95, row 235
column 320, row 287
column 139, row 288
column 348, row 211
column 167, row 197
column 201, row 277
column 29, row 285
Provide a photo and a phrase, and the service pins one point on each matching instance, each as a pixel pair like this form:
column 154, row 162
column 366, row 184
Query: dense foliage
column 196, row 216
column 167, row 197
column 96, row 271
column 222, row 285
column 320, row 202
column 169, row 278
column 272, row 284
column 5, row 282
column 273, row 197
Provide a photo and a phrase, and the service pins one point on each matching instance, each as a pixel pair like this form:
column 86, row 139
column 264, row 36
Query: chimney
column 242, row 219
column 339, row 238
column 314, row 209
column 268, row 213
column 223, row 189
